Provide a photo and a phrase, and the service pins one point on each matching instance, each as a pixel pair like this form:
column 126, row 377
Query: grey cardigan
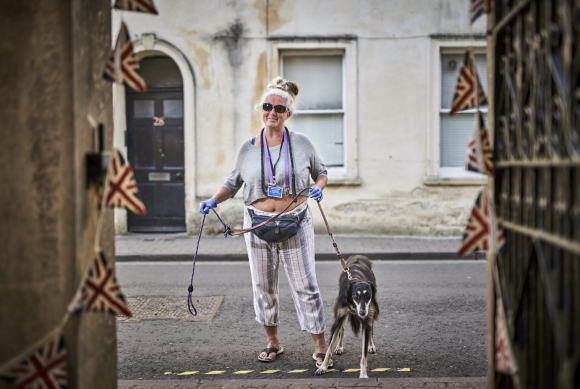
column 248, row 165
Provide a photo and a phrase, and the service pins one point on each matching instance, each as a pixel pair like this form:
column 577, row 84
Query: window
column 450, row 134
column 326, row 71
column 457, row 129
column 320, row 113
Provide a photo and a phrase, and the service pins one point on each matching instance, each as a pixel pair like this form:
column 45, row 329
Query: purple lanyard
column 269, row 162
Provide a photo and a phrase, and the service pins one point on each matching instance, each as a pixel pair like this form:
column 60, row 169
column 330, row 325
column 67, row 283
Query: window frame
column 437, row 175
column 348, row 173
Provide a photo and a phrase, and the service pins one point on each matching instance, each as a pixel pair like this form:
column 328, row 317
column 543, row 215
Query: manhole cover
column 175, row 308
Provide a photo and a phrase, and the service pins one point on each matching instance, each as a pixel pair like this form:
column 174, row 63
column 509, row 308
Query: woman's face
column 273, row 119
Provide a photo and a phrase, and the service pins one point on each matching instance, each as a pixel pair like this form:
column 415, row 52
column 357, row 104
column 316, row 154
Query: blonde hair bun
column 285, row 85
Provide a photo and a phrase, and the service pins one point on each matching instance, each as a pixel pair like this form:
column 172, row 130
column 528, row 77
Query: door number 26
column 158, row 121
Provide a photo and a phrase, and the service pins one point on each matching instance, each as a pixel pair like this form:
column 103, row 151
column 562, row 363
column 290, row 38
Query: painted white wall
column 232, row 60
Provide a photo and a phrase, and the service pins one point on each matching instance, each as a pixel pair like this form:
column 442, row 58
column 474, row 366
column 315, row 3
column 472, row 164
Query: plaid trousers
column 297, row 256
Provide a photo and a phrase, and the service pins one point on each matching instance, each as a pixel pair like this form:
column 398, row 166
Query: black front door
column 155, row 148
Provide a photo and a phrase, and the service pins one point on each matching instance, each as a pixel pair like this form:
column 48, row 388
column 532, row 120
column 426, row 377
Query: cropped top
column 246, row 171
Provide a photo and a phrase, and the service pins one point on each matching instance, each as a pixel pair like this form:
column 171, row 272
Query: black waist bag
column 278, row 230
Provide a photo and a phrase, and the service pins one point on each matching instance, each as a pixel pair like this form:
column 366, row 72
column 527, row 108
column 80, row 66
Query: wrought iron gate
column 535, row 51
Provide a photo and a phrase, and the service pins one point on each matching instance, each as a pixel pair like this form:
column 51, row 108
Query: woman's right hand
column 205, row 206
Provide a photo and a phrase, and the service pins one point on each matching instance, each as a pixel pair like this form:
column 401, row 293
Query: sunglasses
column 278, row 108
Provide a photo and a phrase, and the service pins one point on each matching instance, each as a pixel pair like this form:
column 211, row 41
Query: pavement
column 181, row 247
column 386, row 383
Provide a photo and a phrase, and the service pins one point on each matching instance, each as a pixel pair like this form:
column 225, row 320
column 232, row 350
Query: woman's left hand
column 316, row 193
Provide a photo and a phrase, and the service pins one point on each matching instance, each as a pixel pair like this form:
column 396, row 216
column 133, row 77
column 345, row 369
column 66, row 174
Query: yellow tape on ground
column 350, row 370
column 167, row 373
column 298, row 371
column 188, row 373
column 216, row 372
column 269, row 371
column 329, row 370
column 382, row 369
column 405, row 369
column 242, row 371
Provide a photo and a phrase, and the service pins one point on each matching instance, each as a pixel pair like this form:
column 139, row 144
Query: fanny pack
column 278, row 230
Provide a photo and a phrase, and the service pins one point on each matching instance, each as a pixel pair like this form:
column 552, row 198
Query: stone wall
column 53, row 52
column 229, row 46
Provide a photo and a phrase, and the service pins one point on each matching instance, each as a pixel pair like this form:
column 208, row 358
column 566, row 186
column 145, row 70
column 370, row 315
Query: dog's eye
column 358, row 293
column 366, row 292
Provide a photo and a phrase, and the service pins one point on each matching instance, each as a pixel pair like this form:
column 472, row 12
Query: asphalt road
column 432, row 321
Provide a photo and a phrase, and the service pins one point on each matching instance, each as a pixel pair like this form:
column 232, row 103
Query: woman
column 275, row 165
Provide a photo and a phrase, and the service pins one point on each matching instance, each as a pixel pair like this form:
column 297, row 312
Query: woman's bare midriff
column 271, row 204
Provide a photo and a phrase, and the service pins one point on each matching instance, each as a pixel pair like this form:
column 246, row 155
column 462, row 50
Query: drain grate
column 173, row 308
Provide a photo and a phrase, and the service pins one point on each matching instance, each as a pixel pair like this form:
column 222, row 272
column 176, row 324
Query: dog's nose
column 362, row 312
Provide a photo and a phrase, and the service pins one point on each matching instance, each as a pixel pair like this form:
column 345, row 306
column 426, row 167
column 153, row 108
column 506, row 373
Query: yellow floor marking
column 243, row 372
column 298, row 371
column 270, row 371
column 188, row 373
column 350, row 370
column 168, row 372
column 329, row 370
column 382, row 369
column 405, row 369
column 216, row 372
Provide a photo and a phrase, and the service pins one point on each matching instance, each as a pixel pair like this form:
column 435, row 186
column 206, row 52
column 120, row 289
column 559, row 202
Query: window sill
column 351, row 181
column 454, row 181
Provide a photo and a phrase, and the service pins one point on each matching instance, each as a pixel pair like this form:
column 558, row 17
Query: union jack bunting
column 44, row 366
column 504, row 355
column 477, row 231
column 123, row 190
column 478, row 8
column 479, row 152
column 100, row 291
column 145, row 6
column 464, row 97
column 122, row 65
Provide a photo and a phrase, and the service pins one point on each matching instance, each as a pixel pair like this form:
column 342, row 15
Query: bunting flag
column 44, row 366
column 477, row 231
column 122, row 64
column 100, row 291
column 464, row 97
column 122, row 192
column 145, row 6
column 478, row 8
column 479, row 151
column 504, row 356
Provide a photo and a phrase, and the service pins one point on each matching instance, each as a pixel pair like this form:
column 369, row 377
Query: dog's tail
column 360, row 259
column 354, row 324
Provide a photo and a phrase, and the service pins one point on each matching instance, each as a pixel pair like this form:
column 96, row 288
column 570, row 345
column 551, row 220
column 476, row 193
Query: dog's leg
column 372, row 348
column 333, row 341
column 340, row 348
column 365, row 348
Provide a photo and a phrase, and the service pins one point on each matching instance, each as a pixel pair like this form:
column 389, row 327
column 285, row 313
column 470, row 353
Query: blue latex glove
column 316, row 193
column 204, row 206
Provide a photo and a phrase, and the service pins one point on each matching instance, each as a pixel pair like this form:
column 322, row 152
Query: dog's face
column 362, row 295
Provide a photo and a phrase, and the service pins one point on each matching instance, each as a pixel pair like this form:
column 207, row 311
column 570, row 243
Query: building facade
column 376, row 82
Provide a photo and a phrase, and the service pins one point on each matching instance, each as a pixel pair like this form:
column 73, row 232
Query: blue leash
column 190, row 305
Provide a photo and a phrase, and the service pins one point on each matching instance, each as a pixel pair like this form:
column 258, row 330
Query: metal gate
column 535, row 52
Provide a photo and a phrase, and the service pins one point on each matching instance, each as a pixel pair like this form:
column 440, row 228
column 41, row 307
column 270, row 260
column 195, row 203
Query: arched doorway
column 155, row 146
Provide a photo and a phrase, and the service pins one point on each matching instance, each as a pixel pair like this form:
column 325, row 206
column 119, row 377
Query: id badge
column 274, row 191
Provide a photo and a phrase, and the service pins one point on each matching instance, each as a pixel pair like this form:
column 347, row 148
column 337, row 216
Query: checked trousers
column 297, row 256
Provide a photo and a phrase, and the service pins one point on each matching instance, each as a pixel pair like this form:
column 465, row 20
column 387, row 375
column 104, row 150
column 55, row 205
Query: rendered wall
column 228, row 45
column 53, row 53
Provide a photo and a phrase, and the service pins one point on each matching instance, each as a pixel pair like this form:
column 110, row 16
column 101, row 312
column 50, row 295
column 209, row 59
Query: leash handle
column 190, row 305
column 342, row 261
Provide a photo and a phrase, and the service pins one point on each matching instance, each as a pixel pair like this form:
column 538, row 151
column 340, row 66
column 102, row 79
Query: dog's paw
column 320, row 371
column 372, row 349
column 363, row 376
column 339, row 350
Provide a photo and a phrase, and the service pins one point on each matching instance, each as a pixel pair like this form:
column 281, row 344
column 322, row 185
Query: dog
column 357, row 299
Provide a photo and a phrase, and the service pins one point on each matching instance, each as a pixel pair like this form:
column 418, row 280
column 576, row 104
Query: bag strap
column 240, row 231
